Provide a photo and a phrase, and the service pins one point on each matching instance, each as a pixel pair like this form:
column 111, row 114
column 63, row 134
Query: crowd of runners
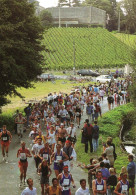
column 53, row 125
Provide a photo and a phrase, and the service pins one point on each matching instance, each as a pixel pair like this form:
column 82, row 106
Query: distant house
column 78, row 15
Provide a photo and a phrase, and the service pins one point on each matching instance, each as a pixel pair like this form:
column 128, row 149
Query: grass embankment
column 109, row 125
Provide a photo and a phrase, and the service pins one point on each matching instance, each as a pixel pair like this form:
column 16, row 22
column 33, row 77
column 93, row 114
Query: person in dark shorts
column 131, row 168
column 5, row 137
column 45, row 171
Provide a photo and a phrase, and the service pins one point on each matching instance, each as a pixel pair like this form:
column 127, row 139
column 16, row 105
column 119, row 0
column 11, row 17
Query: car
column 85, row 72
column 104, row 78
column 46, row 77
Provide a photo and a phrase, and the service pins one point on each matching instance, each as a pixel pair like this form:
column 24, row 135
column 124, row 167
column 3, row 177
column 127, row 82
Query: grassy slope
column 128, row 39
column 110, row 125
column 93, row 48
column 40, row 91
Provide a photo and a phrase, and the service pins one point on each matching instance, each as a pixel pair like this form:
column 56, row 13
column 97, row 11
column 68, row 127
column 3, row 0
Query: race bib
column 45, row 156
column 77, row 114
column 99, row 187
column 22, row 156
column 66, row 182
column 58, row 158
column 4, row 138
column 124, row 187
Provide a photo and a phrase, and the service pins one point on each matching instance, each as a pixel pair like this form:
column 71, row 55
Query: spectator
column 131, row 168
column 111, row 181
column 89, row 129
column 95, row 136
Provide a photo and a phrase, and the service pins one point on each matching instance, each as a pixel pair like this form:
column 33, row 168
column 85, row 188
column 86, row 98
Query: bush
column 110, row 125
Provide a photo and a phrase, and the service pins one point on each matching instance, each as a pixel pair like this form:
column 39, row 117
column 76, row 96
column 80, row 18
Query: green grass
column 94, row 48
column 128, row 39
column 40, row 91
column 110, row 125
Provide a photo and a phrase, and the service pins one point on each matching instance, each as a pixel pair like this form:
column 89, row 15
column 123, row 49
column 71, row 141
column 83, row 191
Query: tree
column 46, row 18
column 129, row 7
column 110, row 7
column 70, row 3
column 20, row 50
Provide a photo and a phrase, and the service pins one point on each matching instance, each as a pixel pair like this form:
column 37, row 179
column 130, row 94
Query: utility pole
column 74, row 58
column 119, row 21
column 59, row 15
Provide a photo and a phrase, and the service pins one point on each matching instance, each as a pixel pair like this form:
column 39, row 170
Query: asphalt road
column 9, row 172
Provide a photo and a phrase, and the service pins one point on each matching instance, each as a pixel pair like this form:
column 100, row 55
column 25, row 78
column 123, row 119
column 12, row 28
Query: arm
column 10, row 135
column 28, row 154
column 94, row 187
column 49, row 171
column 66, row 157
column 117, row 188
column 18, row 152
column 73, row 183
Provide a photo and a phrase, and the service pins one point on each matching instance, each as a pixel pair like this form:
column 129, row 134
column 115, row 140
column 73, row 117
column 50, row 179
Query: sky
column 50, row 3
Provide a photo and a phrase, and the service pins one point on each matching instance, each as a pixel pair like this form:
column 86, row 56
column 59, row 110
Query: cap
column 67, row 141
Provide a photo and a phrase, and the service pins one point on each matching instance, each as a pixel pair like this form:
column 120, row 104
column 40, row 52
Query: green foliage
column 110, row 7
column 94, row 48
column 7, row 118
column 46, row 19
column 20, row 50
column 110, row 125
column 129, row 7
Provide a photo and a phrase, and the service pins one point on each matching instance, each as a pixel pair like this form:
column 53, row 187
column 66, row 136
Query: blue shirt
column 131, row 168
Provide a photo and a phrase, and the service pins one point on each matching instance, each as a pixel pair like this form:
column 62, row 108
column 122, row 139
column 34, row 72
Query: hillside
column 128, row 39
column 94, row 48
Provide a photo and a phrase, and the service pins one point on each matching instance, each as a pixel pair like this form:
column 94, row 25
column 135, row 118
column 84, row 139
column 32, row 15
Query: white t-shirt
column 80, row 191
column 36, row 148
column 27, row 191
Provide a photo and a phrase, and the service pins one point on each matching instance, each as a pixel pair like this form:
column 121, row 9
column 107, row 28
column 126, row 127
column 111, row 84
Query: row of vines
column 94, row 48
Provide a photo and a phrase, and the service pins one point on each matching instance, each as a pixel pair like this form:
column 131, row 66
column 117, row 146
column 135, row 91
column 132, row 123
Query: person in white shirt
column 30, row 190
column 35, row 151
column 83, row 190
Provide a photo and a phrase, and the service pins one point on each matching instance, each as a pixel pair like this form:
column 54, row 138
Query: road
column 9, row 172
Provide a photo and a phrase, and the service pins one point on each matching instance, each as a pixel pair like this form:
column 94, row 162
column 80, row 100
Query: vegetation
column 110, row 6
column 39, row 92
column 94, row 48
column 20, row 51
column 46, row 19
column 110, row 125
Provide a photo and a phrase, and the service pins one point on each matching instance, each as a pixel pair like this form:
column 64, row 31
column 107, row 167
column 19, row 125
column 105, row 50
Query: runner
column 45, row 153
column 83, row 190
column 54, row 189
column 58, row 157
column 35, row 151
column 65, row 181
column 6, row 138
column 71, row 131
column 30, row 190
column 99, row 185
column 20, row 120
column 45, row 171
column 51, row 137
column 62, row 133
column 23, row 153
column 123, row 185
column 40, row 136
